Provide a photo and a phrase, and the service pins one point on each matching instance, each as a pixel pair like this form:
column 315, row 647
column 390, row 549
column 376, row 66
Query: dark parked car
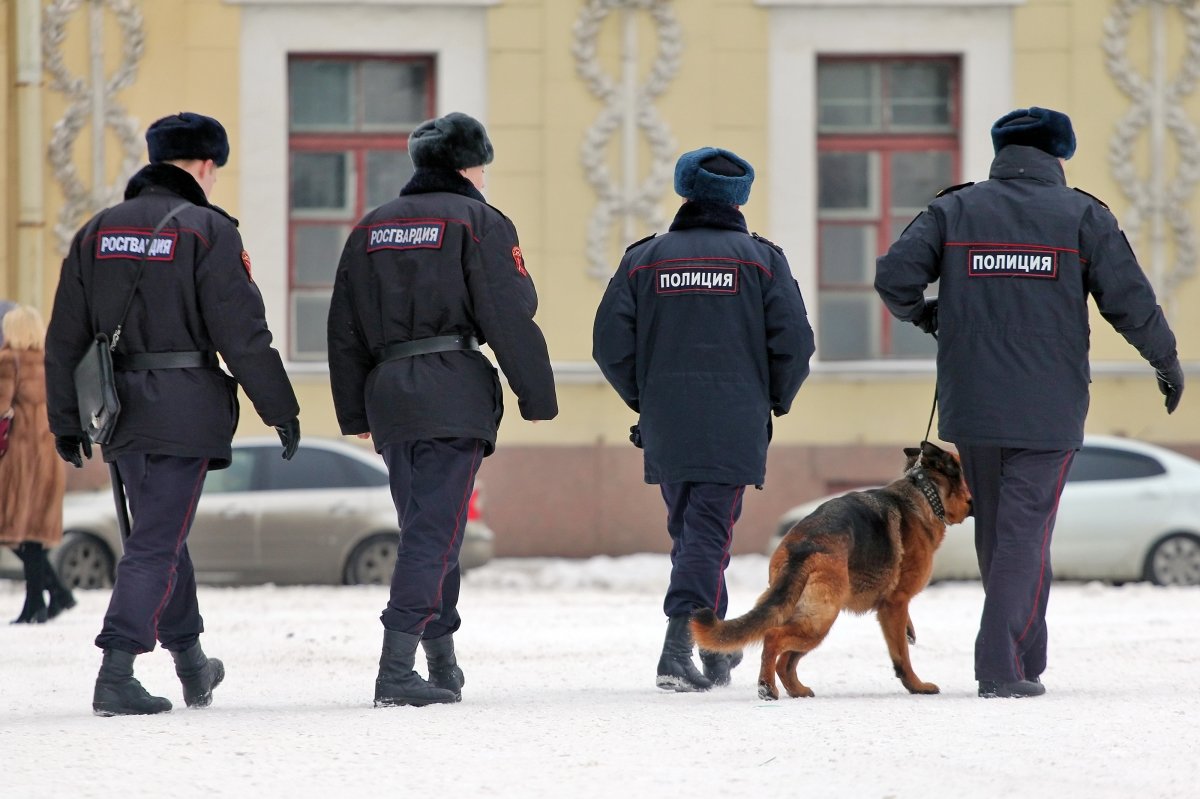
column 1130, row 511
column 326, row 516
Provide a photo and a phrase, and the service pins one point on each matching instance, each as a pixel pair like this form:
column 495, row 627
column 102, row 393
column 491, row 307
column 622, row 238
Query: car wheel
column 372, row 561
column 1175, row 560
column 84, row 561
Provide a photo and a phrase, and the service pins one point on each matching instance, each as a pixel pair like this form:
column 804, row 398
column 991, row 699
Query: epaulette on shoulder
column 639, row 241
column 952, row 189
column 768, row 242
column 1094, row 197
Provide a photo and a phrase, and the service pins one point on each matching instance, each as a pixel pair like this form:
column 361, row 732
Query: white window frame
column 453, row 31
column 979, row 32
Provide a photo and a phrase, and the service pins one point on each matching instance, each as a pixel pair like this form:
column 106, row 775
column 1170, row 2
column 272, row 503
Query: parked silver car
column 326, row 516
column 1129, row 511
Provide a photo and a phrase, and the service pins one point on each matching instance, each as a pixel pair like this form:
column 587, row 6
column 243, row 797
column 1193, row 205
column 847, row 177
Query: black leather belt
column 140, row 361
column 424, row 346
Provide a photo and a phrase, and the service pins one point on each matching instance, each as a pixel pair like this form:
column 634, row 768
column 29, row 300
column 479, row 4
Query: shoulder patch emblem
column 519, row 260
column 768, row 242
column 640, row 241
column 1094, row 197
column 246, row 263
column 952, row 189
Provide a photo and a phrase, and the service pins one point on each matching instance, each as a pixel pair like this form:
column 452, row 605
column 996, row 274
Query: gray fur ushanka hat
column 455, row 141
column 711, row 174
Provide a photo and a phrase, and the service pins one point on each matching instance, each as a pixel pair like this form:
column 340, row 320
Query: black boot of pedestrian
column 676, row 671
column 61, row 597
column 34, row 610
column 443, row 668
column 717, row 665
column 118, row 693
column 397, row 683
column 992, row 689
column 198, row 674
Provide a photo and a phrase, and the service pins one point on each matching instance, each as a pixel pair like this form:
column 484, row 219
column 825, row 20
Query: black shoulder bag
column 95, row 384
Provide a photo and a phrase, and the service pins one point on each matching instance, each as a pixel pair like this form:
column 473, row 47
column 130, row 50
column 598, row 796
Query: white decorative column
column 93, row 105
column 628, row 107
column 1160, row 202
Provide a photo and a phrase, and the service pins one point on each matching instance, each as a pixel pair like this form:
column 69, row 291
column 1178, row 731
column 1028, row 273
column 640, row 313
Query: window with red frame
column 887, row 142
column 348, row 125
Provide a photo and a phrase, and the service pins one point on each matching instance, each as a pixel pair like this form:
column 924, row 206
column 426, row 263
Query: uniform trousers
column 700, row 520
column 1015, row 493
column 432, row 481
column 154, row 597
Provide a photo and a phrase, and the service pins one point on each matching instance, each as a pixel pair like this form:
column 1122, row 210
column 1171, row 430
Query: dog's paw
column 923, row 688
column 767, row 692
column 802, row 692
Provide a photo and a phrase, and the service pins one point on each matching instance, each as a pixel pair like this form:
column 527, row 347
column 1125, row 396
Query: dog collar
column 922, row 481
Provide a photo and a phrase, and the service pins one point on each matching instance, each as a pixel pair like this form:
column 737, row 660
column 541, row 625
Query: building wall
column 740, row 77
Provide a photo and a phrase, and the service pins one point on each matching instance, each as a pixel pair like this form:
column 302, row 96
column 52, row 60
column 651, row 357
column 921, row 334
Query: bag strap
column 116, row 336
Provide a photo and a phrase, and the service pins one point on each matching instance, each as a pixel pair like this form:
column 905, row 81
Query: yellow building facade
column 850, row 110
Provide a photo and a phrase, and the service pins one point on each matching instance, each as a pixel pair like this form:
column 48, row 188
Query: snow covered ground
column 560, row 701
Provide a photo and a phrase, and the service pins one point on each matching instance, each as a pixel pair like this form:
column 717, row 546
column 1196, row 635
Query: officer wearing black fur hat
column 703, row 332
column 195, row 298
column 424, row 280
column 1018, row 255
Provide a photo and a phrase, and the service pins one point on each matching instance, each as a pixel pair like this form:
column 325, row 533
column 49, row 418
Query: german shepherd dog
column 867, row 550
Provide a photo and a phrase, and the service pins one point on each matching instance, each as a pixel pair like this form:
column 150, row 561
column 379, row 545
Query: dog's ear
column 911, row 452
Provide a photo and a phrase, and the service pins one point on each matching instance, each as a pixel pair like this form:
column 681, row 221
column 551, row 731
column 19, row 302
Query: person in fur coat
column 32, row 478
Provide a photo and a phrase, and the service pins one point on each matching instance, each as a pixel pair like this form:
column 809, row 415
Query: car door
column 312, row 506
column 224, row 538
column 1111, row 495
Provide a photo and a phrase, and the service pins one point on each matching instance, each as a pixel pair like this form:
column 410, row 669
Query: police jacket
column 1017, row 257
column 703, row 332
column 195, row 294
column 436, row 261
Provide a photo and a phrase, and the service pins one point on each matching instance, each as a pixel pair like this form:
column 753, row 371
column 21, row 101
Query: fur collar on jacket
column 172, row 179
column 704, row 214
column 427, row 180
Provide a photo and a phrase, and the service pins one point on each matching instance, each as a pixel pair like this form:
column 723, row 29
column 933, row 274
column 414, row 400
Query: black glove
column 928, row 320
column 1170, row 383
column 635, row 435
column 69, row 447
column 289, row 436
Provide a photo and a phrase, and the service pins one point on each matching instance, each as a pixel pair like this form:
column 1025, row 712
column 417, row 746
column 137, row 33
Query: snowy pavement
column 560, row 701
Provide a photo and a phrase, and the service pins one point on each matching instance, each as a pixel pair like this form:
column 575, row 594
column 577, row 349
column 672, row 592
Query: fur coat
column 32, row 476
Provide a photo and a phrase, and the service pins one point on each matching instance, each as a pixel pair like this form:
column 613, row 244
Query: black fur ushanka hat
column 186, row 136
column 1049, row 131
column 455, row 141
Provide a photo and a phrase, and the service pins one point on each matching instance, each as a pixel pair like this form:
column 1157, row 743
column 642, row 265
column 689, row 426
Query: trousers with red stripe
column 431, row 481
column 1015, row 493
column 700, row 520
column 154, row 598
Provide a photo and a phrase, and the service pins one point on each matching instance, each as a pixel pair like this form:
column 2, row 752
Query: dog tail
column 773, row 608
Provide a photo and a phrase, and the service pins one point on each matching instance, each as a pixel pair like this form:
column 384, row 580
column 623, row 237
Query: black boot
column 717, row 665
column 61, row 597
column 443, row 668
column 118, row 693
column 397, row 683
column 199, row 675
column 992, row 689
column 676, row 671
column 34, row 610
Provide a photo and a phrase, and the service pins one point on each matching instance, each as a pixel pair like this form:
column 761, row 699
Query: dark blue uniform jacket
column 1018, row 256
column 196, row 293
column 436, row 261
column 703, row 332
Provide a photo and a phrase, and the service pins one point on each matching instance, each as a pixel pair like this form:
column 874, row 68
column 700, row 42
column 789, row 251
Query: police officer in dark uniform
column 1017, row 257
column 195, row 298
column 703, row 332
column 424, row 280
